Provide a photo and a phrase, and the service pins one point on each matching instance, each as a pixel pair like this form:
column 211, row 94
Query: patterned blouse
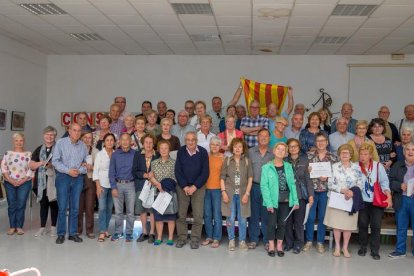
column 319, row 185
column 163, row 169
column 345, row 178
column 16, row 164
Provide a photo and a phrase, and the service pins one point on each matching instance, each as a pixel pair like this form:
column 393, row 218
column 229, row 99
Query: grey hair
column 50, row 129
column 407, row 129
column 215, row 139
column 18, row 135
column 411, row 144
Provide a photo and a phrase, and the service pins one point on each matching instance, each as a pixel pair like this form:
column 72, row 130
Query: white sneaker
column 40, row 232
column 53, row 232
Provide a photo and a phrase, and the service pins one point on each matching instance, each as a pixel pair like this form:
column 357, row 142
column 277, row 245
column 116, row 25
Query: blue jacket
column 192, row 170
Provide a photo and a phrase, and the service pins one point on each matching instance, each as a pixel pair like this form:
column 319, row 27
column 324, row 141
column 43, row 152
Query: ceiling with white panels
column 236, row 27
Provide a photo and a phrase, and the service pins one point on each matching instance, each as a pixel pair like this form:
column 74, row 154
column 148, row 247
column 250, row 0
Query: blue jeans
column 126, row 193
column 68, row 191
column 16, row 200
column 212, row 214
column 259, row 217
column 105, row 209
column 320, row 200
column 230, row 221
column 404, row 215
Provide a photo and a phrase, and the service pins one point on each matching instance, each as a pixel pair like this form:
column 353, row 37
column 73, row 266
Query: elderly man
column 82, row 120
column 189, row 106
column 123, row 187
column 299, row 109
column 121, row 101
column 408, row 121
column 162, row 111
column 218, row 110
column 69, row 160
column 250, row 125
column 259, row 155
column 406, row 136
column 117, row 124
column 182, row 127
column 391, row 130
column 346, row 112
column 240, row 112
column 191, row 171
column 272, row 111
column 401, row 178
column 293, row 130
column 341, row 136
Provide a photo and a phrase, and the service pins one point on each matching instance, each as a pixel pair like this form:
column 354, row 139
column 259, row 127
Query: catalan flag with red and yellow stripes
column 265, row 94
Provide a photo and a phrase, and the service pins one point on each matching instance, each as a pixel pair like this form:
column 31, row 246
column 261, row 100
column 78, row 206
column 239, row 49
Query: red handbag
column 380, row 199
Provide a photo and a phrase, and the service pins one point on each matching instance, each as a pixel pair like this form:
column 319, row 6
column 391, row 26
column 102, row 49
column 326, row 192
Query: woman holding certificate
column 347, row 180
column 371, row 215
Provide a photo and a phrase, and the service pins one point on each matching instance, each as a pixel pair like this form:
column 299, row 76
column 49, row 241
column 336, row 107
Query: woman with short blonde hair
column 360, row 137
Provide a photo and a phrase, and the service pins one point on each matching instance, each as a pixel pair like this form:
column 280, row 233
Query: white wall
column 76, row 83
column 22, row 88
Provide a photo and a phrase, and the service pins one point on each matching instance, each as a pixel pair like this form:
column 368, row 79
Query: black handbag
column 172, row 208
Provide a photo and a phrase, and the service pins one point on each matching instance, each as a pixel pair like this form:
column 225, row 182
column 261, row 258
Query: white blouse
column 101, row 169
column 345, row 178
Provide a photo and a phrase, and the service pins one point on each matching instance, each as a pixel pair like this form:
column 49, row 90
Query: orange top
column 215, row 163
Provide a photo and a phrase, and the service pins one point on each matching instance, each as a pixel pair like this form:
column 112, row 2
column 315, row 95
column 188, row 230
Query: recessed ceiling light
column 87, row 36
column 204, row 37
column 266, row 50
column 330, row 39
column 353, row 10
column 271, row 13
column 43, row 9
column 192, row 8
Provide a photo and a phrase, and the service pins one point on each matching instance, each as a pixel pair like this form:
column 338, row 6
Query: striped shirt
column 117, row 127
column 68, row 155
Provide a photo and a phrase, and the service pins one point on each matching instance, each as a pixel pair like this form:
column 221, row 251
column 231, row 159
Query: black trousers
column 277, row 219
column 295, row 230
column 45, row 204
column 370, row 216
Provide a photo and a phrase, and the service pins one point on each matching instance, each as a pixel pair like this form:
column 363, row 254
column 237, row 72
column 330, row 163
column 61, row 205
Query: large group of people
column 249, row 168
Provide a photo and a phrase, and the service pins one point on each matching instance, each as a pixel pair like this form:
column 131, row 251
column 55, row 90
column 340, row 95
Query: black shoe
column 194, row 244
column 60, row 239
column 142, row 237
column 180, row 244
column 362, row 251
column 280, row 253
column 375, row 256
column 75, row 238
column 271, row 253
column 151, row 238
column 296, row 250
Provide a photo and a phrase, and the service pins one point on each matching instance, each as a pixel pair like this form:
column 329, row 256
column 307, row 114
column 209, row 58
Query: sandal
column 101, row 237
column 11, row 231
column 207, row 242
column 19, row 231
column 215, row 244
column 107, row 235
column 337, row 253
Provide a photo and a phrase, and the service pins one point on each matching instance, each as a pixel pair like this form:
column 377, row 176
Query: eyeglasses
column 285, row 125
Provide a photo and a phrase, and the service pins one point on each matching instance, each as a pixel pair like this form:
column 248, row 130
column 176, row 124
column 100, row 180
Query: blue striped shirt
column 68, row 155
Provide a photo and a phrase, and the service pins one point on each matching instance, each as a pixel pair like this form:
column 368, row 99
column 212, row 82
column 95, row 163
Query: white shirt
column 101, row 169
column 203, row 140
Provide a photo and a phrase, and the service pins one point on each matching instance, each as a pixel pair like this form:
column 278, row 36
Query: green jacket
column 269, row 185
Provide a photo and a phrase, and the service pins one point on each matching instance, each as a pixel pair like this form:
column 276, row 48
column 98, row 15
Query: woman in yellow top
column 361, row 129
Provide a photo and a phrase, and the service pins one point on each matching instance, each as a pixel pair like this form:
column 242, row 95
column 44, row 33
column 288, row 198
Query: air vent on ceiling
column 330, row 39
column 353, row 10
column 43, row 9
column 87, row 37
column 192, row 8
column 204, row 37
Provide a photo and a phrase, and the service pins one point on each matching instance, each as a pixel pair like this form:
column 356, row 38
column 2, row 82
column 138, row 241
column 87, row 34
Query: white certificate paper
column 161, row 202
column 338, row 201
column 410, row 187
column 320, row 169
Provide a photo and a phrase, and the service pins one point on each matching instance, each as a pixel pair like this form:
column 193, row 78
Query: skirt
column 339, row 219
column 159, row 217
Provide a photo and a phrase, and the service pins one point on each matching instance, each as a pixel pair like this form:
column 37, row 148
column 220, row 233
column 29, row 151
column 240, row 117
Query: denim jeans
column 320, row 200
column 230, row 221
column 259, row 217
column 68, row 190
column 405, row 216
column 212, row 214
column 105, row 209
column 126, row 193
column 16, row 200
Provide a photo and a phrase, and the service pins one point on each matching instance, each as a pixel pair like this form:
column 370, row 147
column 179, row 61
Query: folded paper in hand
column 161, row 202
column 338, row 201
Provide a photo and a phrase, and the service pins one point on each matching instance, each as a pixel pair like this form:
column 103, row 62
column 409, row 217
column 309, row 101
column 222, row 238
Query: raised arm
column 291, row 102
column 237, row 95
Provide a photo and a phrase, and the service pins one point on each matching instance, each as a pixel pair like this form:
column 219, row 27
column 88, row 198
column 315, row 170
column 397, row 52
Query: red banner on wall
column 66, row 118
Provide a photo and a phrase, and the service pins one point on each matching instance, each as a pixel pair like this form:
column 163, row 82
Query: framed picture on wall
column 17, row 121
column 3, row 118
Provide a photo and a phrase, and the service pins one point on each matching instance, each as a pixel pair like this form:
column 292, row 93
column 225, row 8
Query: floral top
column 16, row 164
column 319, row 185
column 345, row 178
column 163, row 169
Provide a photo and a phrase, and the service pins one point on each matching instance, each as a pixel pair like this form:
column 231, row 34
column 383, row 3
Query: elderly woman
column 18, row 182
column 152, row 126
column 140, row 122
column 278, row 134
column 371, row 215
column 406, row 136
column 325, row 120
column 141, row 170
column 212, row 199
column 44, row 181
column 204, row 135
column 236, row 182
column 229, row 134
column 104, row 128
column 360, row 137
column 200, row 110
column 307, row 135
column 88, row 196
column 166, row 135
column 162, row 170
column 346, row 179
column 320, row 188
column 103, row 188
column 129, row 122
column 278, row 188
column 384, row 145
column 230, row 111
column 294, row 235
